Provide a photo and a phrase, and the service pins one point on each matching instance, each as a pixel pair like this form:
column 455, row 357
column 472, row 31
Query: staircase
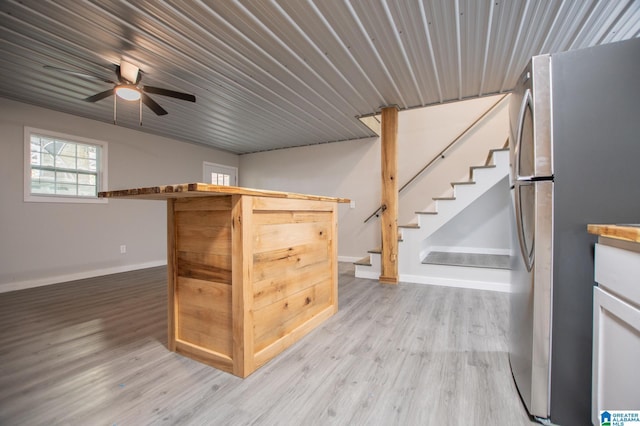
column 420, row 262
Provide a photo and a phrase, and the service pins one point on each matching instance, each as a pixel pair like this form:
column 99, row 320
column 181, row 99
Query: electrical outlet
column 123, row 249
column 352, row 204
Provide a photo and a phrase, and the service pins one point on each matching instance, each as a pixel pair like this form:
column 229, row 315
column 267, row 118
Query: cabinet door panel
column 616, row 351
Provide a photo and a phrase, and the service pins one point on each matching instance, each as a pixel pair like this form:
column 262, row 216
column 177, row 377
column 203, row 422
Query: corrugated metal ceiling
column 280, row 73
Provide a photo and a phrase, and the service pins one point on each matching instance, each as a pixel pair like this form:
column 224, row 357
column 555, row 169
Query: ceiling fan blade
column 153, row 105
column 100, row 96
column 170, row 93
column 79, row 74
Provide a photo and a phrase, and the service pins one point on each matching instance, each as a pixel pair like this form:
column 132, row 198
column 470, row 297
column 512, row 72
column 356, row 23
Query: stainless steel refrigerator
column 575, row 151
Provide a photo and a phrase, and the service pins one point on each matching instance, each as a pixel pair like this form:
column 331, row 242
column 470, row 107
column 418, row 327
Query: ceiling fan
column 128, row 87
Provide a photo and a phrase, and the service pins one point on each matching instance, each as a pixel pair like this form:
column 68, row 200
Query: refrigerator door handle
column 527, row 102
column 524, row 250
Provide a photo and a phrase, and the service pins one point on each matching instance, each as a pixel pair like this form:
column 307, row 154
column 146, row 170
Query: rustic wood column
column 389, row 215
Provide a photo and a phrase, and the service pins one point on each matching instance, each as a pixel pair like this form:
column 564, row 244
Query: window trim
column 102, row 169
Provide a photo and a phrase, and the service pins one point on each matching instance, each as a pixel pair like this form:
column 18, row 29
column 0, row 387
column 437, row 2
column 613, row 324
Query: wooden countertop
column 204, row 190
column 619, row 232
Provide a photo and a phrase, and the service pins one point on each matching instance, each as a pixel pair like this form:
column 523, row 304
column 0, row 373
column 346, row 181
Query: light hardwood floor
column 94, row 352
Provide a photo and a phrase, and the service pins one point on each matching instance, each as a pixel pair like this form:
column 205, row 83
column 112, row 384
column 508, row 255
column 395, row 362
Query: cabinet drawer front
column 619, row 271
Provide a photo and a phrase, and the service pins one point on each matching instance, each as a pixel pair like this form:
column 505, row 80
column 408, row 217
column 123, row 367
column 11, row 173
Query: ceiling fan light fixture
column 128, row 92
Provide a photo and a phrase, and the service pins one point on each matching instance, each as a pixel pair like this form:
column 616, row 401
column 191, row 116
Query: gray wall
column 42, row 243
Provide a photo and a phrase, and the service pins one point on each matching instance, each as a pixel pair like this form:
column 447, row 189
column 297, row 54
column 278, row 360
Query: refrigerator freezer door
column 542, row 136
column 531, row 109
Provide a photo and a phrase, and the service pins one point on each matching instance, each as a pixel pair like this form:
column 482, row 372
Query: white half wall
column 483, row 227
column 43, row 243
column 352, row 169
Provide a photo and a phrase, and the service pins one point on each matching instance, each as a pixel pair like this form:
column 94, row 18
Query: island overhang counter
column 250, row 272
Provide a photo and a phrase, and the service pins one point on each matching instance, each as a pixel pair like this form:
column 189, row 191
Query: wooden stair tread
column 376, row 250
column 365, row 261
column 410, row 226
column 475, row 260
column 469, row 182
column 444, row 198
column 426, row 212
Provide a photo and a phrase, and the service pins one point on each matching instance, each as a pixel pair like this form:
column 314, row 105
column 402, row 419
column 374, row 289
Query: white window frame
column 233, row 172
column 48, row 198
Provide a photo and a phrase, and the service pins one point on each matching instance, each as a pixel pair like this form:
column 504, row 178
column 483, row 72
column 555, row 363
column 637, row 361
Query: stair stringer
column 413, row 247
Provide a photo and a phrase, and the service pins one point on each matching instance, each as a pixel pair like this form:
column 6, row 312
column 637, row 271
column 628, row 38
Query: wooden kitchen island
column 250, row 272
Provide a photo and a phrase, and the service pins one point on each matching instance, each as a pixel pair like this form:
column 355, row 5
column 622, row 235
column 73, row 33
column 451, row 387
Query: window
column 219, row 174
column 63, row 168
column 220, row 179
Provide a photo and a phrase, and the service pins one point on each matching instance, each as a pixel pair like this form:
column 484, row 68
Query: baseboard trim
column 477, row 250
column 452, row 282
column 38, row 282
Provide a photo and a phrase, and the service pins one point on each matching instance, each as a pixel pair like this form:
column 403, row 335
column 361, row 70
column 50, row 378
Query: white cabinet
column 616, row 327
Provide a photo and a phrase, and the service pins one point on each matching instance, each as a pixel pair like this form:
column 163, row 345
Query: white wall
column 481, row 227
column 352, row 169
column 41, row 243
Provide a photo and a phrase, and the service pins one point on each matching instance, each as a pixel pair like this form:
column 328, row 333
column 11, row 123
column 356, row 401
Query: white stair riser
column 371, row 272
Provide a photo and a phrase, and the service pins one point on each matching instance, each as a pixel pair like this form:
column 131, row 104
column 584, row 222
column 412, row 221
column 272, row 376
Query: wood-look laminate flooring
column 93, row 352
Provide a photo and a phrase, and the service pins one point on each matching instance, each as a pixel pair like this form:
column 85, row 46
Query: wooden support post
column 389, row 215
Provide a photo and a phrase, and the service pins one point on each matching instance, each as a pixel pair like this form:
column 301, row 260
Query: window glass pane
column 67, row 149
column 35, row 145
column 66, row 162
column 64, row 177
column 46, row 159
column 86, row 179
column 86, row 164
column 63, row 189
column 87, row 191
column 47, row 145
column 86, row 151
column 43, row 175
column 35, row 158
column 226, row 180
column 43, row 188
column 57, row 147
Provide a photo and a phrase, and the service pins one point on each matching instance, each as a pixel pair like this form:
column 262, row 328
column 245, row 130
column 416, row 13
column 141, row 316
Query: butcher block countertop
column 619, row 232
column 184, row 190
